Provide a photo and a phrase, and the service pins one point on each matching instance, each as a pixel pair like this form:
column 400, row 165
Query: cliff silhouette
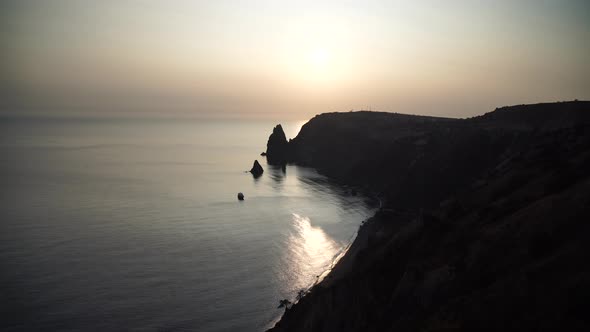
column 484, row 223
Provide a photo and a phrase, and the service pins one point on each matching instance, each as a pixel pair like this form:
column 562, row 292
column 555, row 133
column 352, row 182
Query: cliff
column 484, row 227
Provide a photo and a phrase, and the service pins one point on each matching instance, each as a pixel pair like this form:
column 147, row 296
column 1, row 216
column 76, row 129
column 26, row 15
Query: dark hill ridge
column 485, row 224
column 547, row 116
column 416, row 161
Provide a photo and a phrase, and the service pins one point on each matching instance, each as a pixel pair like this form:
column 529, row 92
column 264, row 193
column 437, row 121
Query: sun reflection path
column 312, row 252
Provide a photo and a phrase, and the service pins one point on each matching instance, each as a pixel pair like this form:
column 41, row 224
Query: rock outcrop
column 277, row 147
column 256, row 170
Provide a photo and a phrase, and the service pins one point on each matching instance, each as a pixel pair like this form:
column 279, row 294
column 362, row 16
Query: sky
column 289, row 59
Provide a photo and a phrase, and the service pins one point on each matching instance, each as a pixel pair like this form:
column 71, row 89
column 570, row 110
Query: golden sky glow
column 291, row 59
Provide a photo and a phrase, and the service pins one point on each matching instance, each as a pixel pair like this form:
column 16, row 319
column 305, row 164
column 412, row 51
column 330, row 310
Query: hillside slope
column 486, row 224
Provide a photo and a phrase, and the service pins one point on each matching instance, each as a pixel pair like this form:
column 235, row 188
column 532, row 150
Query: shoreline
column 334, row 264
column 336, row 260
column 322, row 276
column 344, row 251
column 342, row 264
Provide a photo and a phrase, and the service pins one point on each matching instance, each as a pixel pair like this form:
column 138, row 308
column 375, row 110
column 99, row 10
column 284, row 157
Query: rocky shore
column 484, row 226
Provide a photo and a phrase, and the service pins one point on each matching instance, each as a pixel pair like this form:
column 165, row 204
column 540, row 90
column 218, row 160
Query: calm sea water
column 119, row 224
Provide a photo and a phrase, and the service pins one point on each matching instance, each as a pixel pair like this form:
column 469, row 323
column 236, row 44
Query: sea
column 122, row 223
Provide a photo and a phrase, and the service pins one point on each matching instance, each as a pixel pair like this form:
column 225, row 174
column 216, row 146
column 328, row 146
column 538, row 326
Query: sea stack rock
column 256, row 170
column 240, row 196
column 276, row 148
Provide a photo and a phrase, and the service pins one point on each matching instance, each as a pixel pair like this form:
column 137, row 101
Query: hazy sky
column 290, row 59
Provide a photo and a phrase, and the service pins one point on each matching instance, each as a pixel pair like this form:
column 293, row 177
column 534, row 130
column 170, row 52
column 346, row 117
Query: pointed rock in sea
column 256, row 170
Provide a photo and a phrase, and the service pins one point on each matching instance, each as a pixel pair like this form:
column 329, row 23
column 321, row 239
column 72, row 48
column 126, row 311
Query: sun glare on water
column 311, row 249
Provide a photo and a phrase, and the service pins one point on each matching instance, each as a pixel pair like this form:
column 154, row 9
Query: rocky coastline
column 483, row 224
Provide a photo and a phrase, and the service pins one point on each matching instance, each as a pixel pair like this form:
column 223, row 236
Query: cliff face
column 417, row 161
column 485, row 225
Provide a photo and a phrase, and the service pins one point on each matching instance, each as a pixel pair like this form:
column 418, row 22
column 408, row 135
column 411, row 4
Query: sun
column 318, row 64
column 319, row 58
column 314, row 66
